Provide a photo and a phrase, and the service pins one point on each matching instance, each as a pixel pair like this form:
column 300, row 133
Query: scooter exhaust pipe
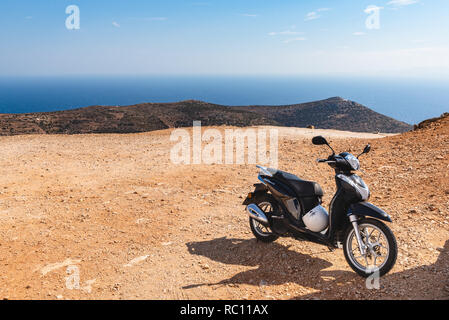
column 257, row 214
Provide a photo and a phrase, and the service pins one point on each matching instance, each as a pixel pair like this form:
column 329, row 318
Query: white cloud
column 402, row 3
column 372, row 8
column 251, row 15
column 295, row 39
column 359, row 33
column 115, row 24
column 283, row 33
column 312, row 16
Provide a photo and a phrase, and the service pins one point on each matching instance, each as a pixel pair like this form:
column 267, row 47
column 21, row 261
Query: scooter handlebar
column 325, row 161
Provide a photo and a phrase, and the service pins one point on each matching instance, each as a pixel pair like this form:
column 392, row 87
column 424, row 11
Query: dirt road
column 113, row 212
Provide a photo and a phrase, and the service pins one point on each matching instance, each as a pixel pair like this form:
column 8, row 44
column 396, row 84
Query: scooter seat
column 303, row 188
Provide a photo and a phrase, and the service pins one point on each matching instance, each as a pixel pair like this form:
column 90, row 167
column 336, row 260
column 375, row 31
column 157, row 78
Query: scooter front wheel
column 380, row 248
column 263, row 233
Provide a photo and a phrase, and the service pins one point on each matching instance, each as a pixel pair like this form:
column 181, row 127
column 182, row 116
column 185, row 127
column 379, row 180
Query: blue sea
column 409, row 100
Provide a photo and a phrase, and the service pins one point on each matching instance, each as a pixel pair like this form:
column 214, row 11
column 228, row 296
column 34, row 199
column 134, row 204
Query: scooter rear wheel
column 263, row 233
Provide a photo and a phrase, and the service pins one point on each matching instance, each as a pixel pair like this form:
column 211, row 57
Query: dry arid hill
column 113, row 211
column 128, row 119
column 433, row 123
column 334, row 113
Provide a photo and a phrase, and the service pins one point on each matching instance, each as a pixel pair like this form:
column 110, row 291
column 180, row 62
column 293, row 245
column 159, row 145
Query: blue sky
column 293, row 37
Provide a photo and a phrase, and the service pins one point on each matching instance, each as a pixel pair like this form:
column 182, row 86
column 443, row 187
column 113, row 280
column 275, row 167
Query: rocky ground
column 115, row 213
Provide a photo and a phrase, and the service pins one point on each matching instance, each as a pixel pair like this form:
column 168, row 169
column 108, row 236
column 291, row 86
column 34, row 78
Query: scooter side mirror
column 319, row 141
column 367, row 149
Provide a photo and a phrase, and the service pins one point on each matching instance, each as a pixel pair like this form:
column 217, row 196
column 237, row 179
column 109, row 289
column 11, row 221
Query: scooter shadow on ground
column 426, row 282
column 278, row 264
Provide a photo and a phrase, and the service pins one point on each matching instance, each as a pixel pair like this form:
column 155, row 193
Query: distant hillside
column 433, row 123
column 128, row 119
column 334, row 113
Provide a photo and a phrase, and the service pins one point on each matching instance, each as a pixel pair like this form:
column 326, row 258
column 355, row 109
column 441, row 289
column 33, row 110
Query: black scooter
column 285, row 205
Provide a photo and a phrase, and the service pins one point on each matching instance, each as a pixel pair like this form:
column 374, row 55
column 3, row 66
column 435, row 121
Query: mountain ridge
column 333, row 113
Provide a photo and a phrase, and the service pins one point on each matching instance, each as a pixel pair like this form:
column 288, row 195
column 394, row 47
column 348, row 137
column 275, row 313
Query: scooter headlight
column 353, row 162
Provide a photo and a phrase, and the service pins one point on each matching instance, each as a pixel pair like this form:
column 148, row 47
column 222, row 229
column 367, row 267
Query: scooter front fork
column 355, row 225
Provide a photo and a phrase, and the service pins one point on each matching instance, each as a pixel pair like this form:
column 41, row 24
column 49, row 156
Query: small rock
column 116, row 287
column 205, row 266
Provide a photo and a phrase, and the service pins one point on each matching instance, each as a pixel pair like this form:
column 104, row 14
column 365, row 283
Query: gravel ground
column 110, row 217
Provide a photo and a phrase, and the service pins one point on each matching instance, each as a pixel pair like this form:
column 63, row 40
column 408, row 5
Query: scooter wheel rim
column 378, row 248
column 266, row 207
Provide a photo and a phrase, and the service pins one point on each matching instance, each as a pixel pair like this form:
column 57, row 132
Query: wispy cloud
column 372, row 8
column 294, row 40
column 402, row 3
column 359, row 34
column 286, row 32
column 312, row 16
column 28, row 17
column 115, row 24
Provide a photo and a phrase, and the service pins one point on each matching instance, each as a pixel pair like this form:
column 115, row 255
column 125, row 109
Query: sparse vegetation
column 334, row 113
